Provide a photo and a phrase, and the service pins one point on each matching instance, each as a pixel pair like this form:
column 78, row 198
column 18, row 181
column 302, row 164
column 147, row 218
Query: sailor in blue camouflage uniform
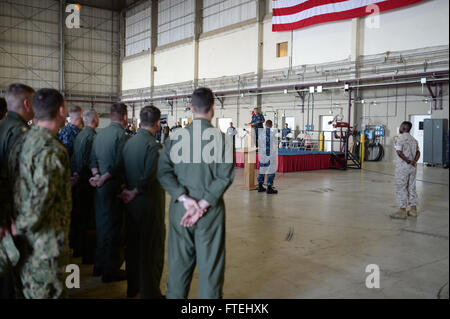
column 267, row 158
column 257, row 123
column 68, row 134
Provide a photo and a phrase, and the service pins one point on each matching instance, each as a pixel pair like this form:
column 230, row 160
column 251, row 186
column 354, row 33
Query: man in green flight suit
column 39, row 171
column 83, row 214
column 197, row 182
column 145, row 199
column 107, row 171
column 20, row 110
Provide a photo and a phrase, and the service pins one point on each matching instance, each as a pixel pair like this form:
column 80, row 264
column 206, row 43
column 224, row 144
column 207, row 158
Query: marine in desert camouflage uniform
column 408, row 152
column 40, row 175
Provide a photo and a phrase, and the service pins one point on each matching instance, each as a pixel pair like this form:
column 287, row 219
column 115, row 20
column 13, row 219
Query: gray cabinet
column 434, row 131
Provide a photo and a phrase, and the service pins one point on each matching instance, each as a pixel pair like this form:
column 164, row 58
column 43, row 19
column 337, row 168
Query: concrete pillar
column 153, row 43
column 356, row 49
column 260, row 14
column 62, row 10
column 198, row 30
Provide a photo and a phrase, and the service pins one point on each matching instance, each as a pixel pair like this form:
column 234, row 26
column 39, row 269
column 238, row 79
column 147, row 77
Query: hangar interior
column 316, row 237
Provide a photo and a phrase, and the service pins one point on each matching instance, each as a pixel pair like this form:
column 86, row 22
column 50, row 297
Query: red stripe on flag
column 343, row 15
column 303, row 6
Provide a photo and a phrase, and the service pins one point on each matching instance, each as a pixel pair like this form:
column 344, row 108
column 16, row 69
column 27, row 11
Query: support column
column 62, row 11
column 121, row 46
column 198, row 30
column 260, row 14
column 153, row 44
column 356, row 40
column 356, row 47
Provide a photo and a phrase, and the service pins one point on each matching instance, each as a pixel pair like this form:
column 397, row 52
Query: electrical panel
column 434, row 131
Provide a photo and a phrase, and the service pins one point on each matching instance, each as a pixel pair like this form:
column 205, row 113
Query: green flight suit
column 106, row 155
column 83, row 213
column 145, row 225
column 39, row 170
column 204, row 243
column 11, row 127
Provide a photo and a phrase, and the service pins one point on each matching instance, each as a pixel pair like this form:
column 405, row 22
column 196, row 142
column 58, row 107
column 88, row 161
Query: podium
column 249, row 169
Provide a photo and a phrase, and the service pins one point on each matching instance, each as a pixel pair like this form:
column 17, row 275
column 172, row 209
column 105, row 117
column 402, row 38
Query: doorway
column 417, row 131
column 327, row 129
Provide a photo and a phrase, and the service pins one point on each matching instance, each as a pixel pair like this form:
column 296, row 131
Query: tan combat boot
column 412, row 211
column 400, row 214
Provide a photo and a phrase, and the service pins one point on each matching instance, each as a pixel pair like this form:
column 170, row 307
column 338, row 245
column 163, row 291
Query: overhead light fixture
column 285, row 91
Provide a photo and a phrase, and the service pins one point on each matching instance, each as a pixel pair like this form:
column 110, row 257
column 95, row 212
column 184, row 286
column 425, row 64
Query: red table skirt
column 295, row 163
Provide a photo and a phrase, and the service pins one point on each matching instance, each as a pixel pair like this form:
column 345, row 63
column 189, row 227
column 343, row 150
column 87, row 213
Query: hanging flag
column 295, row 14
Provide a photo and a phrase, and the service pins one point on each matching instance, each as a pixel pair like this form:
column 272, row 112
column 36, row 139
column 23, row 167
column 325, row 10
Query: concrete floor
column 316, row 237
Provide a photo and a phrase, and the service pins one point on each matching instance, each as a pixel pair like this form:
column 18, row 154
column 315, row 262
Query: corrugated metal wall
column 175, row 20
column 138, row 29
column 92, row 54
column 30, row 52
column 221, row 13
column 29, row 43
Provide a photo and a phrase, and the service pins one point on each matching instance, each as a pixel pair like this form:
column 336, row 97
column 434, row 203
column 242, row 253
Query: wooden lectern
column 249, row 169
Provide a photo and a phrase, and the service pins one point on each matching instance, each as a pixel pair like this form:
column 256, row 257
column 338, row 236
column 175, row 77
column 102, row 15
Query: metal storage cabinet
column 434, row 131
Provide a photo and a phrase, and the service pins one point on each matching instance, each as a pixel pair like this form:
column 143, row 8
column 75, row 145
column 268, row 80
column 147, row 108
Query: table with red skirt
column 290, row 160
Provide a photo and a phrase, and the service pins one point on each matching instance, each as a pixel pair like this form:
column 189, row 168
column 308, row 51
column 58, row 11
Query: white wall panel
column 322, row 43
column 174, row 65
column 422, row 25
column 136, row 73
column 229, row 54
column 271, row 39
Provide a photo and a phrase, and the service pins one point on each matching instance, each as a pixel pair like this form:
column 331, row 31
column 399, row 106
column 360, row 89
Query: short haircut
column 269, row 123
column 46, row 103
column 149, row 116
column 89, row 116
column 75, row 112
column 202, row 100
column 407, row 125
column 118, row 110
column 16, row 93
column 3, row 108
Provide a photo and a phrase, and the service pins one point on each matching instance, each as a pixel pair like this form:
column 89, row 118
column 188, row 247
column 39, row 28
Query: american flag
column 295, row 14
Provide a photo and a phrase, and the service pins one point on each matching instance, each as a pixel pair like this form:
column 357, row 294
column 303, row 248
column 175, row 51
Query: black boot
column 261, row 188
column 271, row 190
